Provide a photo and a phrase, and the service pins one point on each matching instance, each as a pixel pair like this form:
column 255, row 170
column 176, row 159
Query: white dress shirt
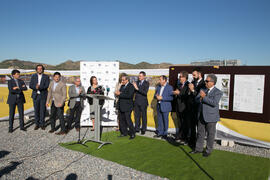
column 77, row 91
column 210, row 89
column 161, row 91
column 54, row 86
column 198, row 82
column 39, row 80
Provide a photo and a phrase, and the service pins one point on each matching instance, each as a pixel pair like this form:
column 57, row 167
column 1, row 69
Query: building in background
column 229, row 62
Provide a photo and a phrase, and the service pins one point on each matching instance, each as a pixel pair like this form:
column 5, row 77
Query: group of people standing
column 196, row 105
column 47, row 93
column 197, row 108
column 125, row 104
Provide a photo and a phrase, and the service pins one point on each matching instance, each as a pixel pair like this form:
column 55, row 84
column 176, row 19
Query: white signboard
column 107, row 74
column 248, row 93
column 223, row 84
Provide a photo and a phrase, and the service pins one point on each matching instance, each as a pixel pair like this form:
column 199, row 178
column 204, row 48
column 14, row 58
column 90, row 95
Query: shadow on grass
column 171, row 141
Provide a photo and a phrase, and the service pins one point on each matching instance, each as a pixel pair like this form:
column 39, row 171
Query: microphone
column 108, row 90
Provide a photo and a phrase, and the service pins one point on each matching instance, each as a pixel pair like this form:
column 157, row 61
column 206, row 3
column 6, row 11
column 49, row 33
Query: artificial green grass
column 169, row 160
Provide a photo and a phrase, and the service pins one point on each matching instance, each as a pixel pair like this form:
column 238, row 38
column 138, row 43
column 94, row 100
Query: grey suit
column 208, row 116
column 73, row 94
column 76, row 105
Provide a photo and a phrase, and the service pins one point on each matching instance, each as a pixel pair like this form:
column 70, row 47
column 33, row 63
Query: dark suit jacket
column 141, row 93
column 125, row 101
column 193, row 94
column 198, row 87
column 183, row 98
column 43, row 88
column 16, row 96
column 209, row 105
column 98, row 90
column 167, row 97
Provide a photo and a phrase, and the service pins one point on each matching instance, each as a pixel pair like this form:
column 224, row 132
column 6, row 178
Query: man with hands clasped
column 141, row 102
column 57, row 96
column 208, row 115
column 164, row 96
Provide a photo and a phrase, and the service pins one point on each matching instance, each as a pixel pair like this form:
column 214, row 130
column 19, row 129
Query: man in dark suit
column 141, row 102
column 183, row 109
column 164, row 96
column 125, row 104
column 16, row 97
column 39, row 83
column 208, row 115
column 198, row 83
column 194, row 87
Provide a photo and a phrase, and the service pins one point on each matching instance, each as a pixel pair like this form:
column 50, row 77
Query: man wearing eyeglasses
column 76, row 94
column 183, row 110
column 208, row 115
column 125, row 105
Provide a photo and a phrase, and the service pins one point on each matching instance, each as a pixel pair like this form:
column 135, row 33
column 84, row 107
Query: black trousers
column 140, row 111
column 183, row 125
column 193, row 126
column 75, row 112
column 40, row 110
column 125, row 122
column 12, row 108
column 59, row 111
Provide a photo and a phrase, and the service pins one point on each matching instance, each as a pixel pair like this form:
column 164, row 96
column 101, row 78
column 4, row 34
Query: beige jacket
column 59, row 94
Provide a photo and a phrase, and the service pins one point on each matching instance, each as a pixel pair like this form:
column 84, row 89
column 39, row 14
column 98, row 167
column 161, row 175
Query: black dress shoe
column 36, row 128
column 51, row 131
column 164, row 137
column 205, row 154
column 137, row 131
column 122, row 135
column 43, row 128
column 10, row 130
column 23, row 129
column 132, row 137
column 143, row 133
column 156, row 136
column 61, row 133
column 195, row 152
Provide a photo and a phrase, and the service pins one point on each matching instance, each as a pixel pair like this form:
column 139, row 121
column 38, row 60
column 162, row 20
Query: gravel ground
column 37, row 155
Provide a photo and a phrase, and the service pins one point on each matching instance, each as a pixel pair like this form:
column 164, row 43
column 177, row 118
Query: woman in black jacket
column 94, row 89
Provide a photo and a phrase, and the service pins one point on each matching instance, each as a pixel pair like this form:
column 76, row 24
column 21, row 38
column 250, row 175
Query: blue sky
column 174, row 31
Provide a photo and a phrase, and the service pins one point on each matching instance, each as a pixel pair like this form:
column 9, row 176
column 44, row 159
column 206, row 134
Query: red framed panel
column 234, row 70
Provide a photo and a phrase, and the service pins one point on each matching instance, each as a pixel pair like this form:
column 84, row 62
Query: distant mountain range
column 75, row 65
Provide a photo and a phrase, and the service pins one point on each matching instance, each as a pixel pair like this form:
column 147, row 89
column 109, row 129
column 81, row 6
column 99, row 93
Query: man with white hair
column 76, row 94
column 208, row 115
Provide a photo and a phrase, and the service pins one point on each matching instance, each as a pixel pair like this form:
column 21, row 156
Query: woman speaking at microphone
column 94, row 88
